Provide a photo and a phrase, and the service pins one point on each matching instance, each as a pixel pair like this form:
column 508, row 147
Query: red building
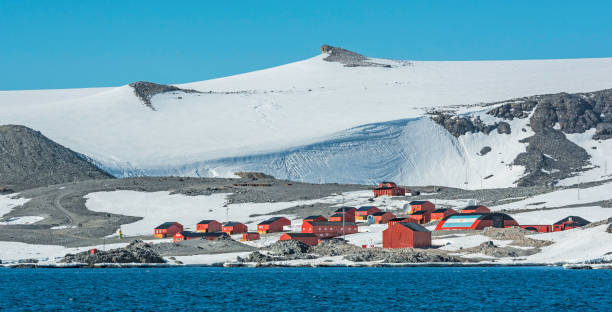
column 315, row 218
column 381, row 217
column 439, row 214
column 208, row 226
column 569, row 223
column 234, row 228
column 389, row 189
column 167, row 229
column 363, row 212
column 422, row 216
column 215, row 236
column 349, row 213
column 401, row 219
column 250, row 236
column 274, row 224
column 537, row 228
column 475, row 221
column 325, row 229
column 475, row 209
column 406, row 235
column 420, row 205
column 339, row 217
column 186, row 235
column 306, row 238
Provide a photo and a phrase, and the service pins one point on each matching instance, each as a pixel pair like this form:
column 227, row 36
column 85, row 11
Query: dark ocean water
column 306, row 289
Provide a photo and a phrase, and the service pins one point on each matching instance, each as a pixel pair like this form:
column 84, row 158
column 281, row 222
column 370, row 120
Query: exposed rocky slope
column 348, row 58
column 549, row 156
column 29, row 159
column 146, row 90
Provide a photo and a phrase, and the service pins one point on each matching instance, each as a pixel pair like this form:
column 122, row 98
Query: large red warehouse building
column 406, row 235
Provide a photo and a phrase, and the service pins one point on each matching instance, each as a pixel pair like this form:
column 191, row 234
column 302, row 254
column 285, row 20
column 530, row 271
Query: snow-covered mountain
column 336, row 117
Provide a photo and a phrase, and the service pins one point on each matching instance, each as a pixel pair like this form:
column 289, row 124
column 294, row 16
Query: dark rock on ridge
column 146, row 90
column 29, row 159
column 348, row 58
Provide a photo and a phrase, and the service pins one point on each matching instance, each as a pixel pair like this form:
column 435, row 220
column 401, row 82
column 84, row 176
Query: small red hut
column 439, row 214
column 306, row 238
column 208, row 226
column 406, row 235
column 363, row 212
column 420, row 205
column 274, row 224
column 250, row 236
column 389, row 189
column 234, row 228
column 381, row 217
column 422, row 216
column 167, row 229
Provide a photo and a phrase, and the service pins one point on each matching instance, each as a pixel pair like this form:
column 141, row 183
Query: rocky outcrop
column 145, row 90
column 570, row 113
column 485, row 150
column 29, row 159
column 550, row 157
column 348, row 58
column 460, row 125
column 253, row 175
column 136, row 252
column 516, row 109
column 490, row 249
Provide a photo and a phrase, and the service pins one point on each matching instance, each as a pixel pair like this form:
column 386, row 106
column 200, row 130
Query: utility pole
column 579, row 182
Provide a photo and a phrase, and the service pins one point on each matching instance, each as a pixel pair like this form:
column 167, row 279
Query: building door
column 498, row 221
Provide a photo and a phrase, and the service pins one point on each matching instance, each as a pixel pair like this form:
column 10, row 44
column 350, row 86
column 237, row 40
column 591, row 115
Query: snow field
column 290, row 113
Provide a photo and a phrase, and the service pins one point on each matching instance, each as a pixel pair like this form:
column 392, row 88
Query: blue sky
column 70, row 44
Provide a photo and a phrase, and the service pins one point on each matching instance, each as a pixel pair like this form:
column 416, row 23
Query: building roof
column 345, row 209
column 271, row 220
column 314, row 217
column 576, row 219
column 216, row 234
column 191, row 234
column 440, row 210
column 414, row 226
column 332, row 223
column 365, row 208
column 418, row 202
column 231, row 223
column 420, row 212
column 473, row 207
column 165, row 225
column 380, row 213
column 337, row 215
column 207, row 221
column 399, row 218
column 302, row 235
